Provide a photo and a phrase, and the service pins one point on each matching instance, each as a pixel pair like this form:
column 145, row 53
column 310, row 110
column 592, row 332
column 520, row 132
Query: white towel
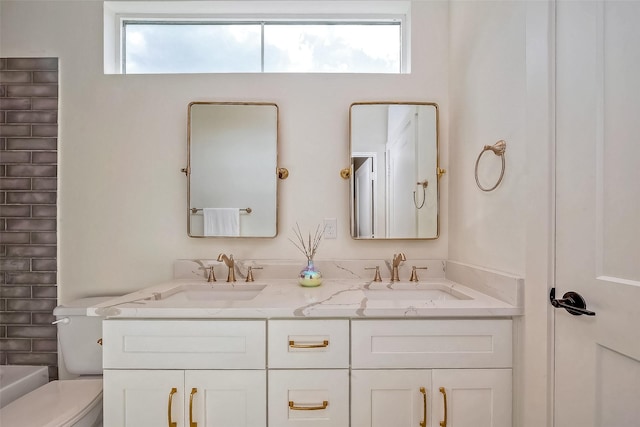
column 221, row 221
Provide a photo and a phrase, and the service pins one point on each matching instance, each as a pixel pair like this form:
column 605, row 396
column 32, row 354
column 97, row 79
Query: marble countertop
column 345, row 298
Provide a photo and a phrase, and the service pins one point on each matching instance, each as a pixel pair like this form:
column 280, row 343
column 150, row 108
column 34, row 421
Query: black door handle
column 572, row 302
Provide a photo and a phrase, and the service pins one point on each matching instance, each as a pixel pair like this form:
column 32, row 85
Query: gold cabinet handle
column 293, row 406
column 171, row 393
column 444, row 396
column 423, row 423
column 191, row 422
column 293, row 344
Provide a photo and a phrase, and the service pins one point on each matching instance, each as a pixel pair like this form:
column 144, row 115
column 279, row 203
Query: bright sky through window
column 332, row 47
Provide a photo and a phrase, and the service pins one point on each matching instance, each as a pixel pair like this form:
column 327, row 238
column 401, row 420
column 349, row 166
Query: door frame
column 534, row 331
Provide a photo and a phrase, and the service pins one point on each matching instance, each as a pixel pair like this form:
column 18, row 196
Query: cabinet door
column 143, row 398
column 383, row 398
column 225, row 398
column 474, row 397
column 303, row 398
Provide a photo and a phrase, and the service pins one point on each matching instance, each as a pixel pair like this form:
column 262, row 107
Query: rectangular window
column 282, row 46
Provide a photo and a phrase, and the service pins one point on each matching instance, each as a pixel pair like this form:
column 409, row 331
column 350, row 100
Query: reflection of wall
column 123, row 143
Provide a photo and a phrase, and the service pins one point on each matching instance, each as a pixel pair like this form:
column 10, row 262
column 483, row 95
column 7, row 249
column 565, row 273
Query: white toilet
column 66, row 403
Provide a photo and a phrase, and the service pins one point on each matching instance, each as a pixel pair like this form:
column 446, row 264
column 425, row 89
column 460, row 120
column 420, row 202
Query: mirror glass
column 394, row 163
column 232, row 182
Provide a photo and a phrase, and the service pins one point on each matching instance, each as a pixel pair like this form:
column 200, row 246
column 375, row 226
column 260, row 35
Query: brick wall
column 28, row 184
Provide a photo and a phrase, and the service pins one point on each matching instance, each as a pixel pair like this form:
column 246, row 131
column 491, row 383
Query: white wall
column 500, row 88
column 122, row 142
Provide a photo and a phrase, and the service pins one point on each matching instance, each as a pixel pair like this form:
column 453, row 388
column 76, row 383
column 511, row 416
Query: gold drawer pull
column 191, row 422
column 423, row 423
column 293, row 406
column 173, row 391
column 443, row 423
column 293, row 344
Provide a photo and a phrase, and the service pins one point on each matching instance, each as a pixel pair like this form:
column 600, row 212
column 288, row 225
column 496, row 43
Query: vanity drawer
column 184, row 344
column 476, row 343
column 308, row 344
column 318, row 397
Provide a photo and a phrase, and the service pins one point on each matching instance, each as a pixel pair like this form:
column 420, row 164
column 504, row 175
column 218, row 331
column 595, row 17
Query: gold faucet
column 397, row 259
column 228, row 260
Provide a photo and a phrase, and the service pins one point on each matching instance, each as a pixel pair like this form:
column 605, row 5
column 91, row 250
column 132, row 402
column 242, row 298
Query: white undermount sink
column 412, row 292
column 215, row 292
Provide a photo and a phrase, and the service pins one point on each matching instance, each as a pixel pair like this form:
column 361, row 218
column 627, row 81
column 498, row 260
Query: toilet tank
column 78, row 336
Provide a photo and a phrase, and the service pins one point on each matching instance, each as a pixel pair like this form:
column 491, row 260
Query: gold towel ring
column 498, row 149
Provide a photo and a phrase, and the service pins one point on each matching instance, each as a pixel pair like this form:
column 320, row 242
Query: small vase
column 310, row 277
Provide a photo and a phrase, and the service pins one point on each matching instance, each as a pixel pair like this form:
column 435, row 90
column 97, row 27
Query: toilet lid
column 56, row 404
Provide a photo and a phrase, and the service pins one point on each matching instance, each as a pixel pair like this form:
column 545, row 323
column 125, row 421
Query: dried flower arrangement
column 308, row 246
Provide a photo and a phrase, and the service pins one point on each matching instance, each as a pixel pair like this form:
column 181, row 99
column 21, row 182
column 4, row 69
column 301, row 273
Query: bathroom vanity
column 348, row 353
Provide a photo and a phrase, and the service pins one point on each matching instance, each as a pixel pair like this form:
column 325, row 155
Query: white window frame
column 116, row 12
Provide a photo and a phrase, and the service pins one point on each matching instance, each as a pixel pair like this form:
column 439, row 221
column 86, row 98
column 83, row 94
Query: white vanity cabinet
column 423, row 372
column 302, row 372
column 160, row 372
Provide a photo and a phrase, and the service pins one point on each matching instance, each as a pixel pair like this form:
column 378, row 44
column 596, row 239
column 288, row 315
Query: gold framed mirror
column 232, row 173
column 394, row 170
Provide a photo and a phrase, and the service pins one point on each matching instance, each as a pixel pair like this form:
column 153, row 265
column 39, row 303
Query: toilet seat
column 56, row 404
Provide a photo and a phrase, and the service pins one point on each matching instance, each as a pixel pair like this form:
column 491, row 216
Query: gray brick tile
column 45, row 292
column 3, row 90
column 30, row 278
column 32, row 143
column 31, row 331
column 44, row 130
column 3, row 357
column 43, row 345
column 31, row 224
column 30, row 305
column 32, row 359
column 15, row 76
column 44, row 157
column 44, row 265
column 15, row 211
column 44, row 211
column 31, row 170
column 3, row 117
column 44, row 238
column 9, row 238
column 44, row 183
column 15, row 103
column 3, row 63
column 8, row 344
column 53, row 373
column 32, row 117
column 15, row 157
column 19, row 91
column 15, row 318
column 44, row 103
column 15, row 130
column 32, row 64
column 31, row 251
column 31, row 198
column 15, row 264
column 15, row 184
column 7, row 291
column 45, row 77
column 42, row 318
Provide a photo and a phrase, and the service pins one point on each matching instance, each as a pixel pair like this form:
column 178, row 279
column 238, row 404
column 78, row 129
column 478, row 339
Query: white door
column 383, row 398
column 471, row 398
column 226, row 398
column 143, row 398
column 597, row 358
